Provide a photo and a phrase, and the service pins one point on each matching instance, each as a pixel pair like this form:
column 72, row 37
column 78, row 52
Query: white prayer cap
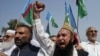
column 10, row 31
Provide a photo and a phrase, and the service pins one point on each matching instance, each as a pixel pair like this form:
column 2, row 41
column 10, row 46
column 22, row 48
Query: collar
column 96, row 43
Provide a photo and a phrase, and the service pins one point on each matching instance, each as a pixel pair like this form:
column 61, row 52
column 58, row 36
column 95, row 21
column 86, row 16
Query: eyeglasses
column 93, row 31
column 6, row 36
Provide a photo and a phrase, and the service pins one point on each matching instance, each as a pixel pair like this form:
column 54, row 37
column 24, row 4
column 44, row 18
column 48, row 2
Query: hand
column 78, row 47
column 38, row 7
column 2, row 54
column 76, row 39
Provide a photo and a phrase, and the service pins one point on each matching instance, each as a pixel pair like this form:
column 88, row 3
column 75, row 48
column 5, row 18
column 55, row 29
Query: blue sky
column 11, row 9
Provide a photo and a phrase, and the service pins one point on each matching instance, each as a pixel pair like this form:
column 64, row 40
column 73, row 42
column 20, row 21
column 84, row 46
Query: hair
column 53, row 36
column 29, row 28
column 88, row 30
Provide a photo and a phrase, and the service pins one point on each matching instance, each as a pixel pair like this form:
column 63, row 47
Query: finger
column 35, row 6
column 40, row 9
column 36, row 2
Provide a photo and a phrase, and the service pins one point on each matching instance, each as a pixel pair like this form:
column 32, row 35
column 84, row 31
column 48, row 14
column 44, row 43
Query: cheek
column 90, row 34
column 67, row 40
column 24, row 39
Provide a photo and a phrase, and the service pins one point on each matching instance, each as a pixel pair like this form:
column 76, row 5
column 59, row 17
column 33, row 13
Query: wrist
column 36, row 16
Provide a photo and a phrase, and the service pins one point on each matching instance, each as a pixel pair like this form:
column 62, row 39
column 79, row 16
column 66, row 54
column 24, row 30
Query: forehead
column 22, row 29
column 92, row 28
column 62, row 31
column 9, row 34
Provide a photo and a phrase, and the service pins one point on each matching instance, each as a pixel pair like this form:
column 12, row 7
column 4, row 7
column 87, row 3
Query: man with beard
column 64, row 45
column 91, row 46
column 8, row 45
column 23, row 36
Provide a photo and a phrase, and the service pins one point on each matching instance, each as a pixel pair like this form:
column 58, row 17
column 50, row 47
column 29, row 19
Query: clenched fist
column 38, row 7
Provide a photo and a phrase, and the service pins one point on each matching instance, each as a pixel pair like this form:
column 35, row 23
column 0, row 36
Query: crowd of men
column 20, row 42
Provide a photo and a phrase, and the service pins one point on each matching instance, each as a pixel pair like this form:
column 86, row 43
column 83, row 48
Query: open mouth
column 61, row 43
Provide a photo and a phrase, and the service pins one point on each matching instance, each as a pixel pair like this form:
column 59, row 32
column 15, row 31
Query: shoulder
column 34, row 48
column 84, row 43
column 35, row 43
column 81, row 52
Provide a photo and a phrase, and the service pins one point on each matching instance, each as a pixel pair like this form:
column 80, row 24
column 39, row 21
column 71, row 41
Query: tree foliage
column 12, row 24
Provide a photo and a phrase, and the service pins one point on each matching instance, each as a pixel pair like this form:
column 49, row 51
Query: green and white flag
column 81, row 8
column 51, row 19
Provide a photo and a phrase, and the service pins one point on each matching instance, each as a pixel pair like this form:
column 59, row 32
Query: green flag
column 81, row 8
column 51, row 19
column 53, row 23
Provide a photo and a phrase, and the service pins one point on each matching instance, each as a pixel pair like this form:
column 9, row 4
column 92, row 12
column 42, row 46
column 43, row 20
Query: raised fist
column 38, row 7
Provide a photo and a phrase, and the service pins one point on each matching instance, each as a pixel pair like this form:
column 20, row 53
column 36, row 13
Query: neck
column 92, row 41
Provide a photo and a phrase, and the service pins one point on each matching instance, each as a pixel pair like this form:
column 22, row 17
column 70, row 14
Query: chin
column 93, row 39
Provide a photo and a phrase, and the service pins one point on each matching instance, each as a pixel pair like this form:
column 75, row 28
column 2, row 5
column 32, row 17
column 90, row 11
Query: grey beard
column 6, row 45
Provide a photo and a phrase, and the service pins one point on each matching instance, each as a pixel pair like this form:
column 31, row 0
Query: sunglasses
column 93, row 31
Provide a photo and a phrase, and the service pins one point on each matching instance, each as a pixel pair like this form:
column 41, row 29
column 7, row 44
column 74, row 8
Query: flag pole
column 17, row 22
column 78, row 28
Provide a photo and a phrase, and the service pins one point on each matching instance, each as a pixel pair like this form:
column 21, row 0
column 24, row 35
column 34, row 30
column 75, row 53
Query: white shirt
column 92, row 49
column 47, row 45
column 35, row 43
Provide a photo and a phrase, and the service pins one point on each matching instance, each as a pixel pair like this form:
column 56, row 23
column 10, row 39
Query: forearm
column 39, row 31
column 43, row 37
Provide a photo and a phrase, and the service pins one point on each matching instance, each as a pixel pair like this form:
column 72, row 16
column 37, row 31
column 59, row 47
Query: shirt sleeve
column 35, row 43
column 43, row 38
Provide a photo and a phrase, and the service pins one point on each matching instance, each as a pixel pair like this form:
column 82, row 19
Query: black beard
column 67, row 51
column 22, row 43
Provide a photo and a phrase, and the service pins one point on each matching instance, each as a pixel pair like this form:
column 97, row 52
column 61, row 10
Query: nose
column 60, row 38
column 17, row 35
column 94, row 33
column 4, row 38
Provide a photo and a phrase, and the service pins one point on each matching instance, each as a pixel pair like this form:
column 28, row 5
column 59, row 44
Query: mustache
column 17, row 39
column 20, row 40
